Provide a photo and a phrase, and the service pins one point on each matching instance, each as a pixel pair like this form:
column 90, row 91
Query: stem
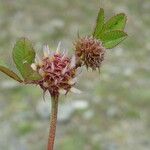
column 53, row 121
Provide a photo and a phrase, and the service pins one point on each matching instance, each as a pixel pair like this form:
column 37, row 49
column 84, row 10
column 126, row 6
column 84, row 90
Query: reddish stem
column 53, row 122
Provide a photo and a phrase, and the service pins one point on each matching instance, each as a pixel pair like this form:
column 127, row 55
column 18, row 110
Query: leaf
column 99, row 23
column 23, row 56
column 10, row 74
column 31, row 74
column 117, row 22
column 112, row 38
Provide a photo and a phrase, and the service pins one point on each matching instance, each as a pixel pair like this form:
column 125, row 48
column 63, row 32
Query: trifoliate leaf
column 10, row 74
column 99, row 23
column 23, row 56
column 117, row 22
column 112, row 38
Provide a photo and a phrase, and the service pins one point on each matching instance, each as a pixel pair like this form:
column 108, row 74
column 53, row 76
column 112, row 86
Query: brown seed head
column 89, row 52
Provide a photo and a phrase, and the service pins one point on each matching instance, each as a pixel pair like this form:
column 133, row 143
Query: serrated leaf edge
column 19, row 39
column 125, row 36
column 101, row 9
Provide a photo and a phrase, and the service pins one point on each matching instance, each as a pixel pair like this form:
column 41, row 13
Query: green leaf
column 10, row 74
column 112, row 38
column 30, row 73
column 99, row 23
column 23, row 56
column 117, row 22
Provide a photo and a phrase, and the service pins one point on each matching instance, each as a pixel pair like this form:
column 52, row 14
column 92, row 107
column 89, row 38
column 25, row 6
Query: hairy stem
column 53, row 121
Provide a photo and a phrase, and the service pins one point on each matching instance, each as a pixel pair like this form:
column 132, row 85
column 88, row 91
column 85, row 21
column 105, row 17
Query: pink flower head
column 57, row 70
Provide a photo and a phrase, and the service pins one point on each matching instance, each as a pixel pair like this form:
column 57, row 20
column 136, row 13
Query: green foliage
column 110, row 33
column 99, row 23
column 112, row 38
column 30, row 73
column 117, row 22
column 10, row 73
column 23, row 56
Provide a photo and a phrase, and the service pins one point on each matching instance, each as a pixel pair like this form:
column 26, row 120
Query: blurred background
column 112, row 113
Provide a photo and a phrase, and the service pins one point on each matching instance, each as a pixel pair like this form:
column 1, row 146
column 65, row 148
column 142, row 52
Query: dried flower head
column 57, row 70
column 90, row 52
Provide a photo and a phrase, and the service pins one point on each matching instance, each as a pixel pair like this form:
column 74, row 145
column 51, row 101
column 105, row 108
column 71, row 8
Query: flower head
column 90, row 52
column 57, row 70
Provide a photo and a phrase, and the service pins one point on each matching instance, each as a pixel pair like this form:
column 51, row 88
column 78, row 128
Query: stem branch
column 53, row 121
